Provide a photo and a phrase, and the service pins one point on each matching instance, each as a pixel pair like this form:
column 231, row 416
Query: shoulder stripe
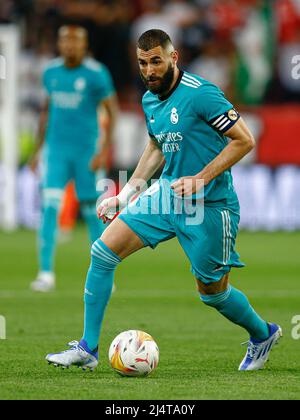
column 191, row 78
column 190, row 81
column 190, row 85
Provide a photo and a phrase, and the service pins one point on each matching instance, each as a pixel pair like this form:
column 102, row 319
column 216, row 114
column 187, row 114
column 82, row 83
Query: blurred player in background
column 78, row 88
column 189, row 122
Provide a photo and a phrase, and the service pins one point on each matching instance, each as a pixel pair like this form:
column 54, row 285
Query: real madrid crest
column 174, row 116
column 80, row 84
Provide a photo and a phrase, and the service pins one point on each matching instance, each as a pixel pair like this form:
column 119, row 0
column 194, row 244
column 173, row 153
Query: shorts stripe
column 227, row 237
column 224, row 238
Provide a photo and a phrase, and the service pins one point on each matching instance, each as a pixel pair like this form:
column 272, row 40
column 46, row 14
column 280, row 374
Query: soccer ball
column 133, row 353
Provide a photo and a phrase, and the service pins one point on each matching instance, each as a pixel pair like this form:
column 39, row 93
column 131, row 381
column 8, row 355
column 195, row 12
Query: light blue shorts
column 206, row 233
column 60, row 169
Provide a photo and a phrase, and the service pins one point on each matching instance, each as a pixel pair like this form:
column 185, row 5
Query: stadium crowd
column 242, row 45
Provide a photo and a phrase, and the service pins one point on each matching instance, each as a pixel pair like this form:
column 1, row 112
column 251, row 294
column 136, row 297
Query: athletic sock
column 48, row 236
column 235, row 306
column 95, row 226
column 98, row 290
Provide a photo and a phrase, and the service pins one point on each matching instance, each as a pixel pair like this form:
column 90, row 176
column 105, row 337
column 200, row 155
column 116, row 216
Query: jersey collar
column 163, row 98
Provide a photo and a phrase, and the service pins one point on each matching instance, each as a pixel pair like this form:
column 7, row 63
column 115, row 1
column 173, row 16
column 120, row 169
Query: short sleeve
column 149, row 127
column 103, row 84
column 211, row 105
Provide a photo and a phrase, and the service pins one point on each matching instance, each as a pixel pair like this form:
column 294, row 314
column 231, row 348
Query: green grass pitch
column 200, row 351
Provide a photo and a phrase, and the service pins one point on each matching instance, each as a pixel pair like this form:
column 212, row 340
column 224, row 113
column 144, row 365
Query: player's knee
column 103, row 258
column 52, row 198
column 210, row 292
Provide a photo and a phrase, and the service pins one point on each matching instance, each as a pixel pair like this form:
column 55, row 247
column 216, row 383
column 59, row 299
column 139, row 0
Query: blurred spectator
column 215, row 64
column 288, row 20
column 225, row 16
column 155, row 16
column 181, row 12
column 231, row 42
column 254, row 42
column 195, row 30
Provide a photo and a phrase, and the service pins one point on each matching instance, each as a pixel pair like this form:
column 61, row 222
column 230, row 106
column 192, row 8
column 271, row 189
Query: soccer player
column 189, row 122
column 78, row 87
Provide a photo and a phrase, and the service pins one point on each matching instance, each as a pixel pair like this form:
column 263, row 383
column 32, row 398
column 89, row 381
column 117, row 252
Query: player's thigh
column 56, row 175
column 122, row 240
column 145, row 218
column 85, row 179
column 210, row 245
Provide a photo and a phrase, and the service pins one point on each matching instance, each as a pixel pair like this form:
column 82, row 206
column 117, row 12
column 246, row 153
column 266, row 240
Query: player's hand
column 108, row 208
column 99, row 161
column 34, row 163
column 187, row 186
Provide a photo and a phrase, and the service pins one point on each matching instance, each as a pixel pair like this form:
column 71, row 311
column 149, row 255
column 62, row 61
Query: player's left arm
column 242, row 142
column 108, row 115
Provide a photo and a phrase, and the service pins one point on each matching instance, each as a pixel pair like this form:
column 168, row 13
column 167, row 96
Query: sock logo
column 296, row 329
column 87, row 292
column 2, row 328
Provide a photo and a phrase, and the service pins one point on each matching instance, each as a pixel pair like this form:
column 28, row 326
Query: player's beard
column 165, row 82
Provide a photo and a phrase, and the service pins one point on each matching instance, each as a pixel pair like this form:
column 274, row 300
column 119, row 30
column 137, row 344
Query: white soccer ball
column 134, row 353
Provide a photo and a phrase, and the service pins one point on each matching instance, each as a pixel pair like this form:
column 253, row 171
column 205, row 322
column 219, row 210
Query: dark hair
column 152, row 39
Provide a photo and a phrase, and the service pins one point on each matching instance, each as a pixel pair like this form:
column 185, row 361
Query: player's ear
column 175, row 57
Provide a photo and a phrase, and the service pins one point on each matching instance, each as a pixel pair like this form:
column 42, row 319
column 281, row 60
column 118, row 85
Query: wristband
column 126, row 195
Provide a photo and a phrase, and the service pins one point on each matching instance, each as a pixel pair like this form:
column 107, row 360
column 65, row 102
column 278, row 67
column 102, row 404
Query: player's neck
column 177, row 76
column 73, row 64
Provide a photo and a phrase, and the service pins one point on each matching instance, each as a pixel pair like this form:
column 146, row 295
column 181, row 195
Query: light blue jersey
column 75, row 95
column 71, row 142
column 188, row 126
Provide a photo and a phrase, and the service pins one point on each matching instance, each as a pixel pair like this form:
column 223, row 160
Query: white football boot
column 78, row 355
column 44, row 283
column 259, row 351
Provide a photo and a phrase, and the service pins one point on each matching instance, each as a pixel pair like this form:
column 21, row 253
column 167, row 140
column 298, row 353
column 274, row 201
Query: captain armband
column 226, row 121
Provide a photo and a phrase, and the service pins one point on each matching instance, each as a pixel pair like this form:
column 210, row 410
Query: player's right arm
column 43, row 122
column 151, row 160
